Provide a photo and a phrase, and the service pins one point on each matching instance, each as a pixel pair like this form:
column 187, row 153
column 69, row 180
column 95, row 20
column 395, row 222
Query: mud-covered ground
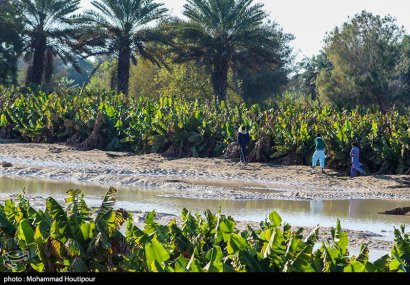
column 211, row 178
column 199, row 178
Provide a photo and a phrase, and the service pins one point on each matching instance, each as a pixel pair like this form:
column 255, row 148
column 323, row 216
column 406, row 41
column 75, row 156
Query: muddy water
column 354, row 214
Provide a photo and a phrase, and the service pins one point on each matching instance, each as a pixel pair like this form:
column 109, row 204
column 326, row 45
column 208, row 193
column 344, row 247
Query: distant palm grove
column 127, row 75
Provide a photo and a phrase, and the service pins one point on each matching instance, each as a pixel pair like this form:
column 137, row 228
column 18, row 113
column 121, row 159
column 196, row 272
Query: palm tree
column 223, row 35
column 49, row 30
column 311, row 68
column 121, row 27
column 10, row 43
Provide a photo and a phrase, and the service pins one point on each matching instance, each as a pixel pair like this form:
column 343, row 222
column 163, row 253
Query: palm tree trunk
column 236, row 86
column 123, row 70
column 29, row 73
column 220, row 79
column 48, row 70
column 38, row 61
column 13, row 70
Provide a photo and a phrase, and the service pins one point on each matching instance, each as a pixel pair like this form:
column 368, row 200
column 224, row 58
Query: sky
column 309, row 20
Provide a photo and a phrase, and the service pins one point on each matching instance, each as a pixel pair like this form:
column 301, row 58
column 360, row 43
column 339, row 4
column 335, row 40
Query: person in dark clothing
column 242, row 141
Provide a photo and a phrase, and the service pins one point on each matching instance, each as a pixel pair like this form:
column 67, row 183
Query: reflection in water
column 353, row 207
column 316, row 206
column 354, row 214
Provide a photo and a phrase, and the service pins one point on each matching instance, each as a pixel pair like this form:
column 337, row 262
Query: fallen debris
column 6, row 164
column 405, row 211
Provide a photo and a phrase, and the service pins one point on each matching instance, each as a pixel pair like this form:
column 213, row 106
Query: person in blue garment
column 319, row 154
column 356, row 165
column 243, row 140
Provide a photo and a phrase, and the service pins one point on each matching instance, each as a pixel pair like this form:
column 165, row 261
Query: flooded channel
column 354, row 214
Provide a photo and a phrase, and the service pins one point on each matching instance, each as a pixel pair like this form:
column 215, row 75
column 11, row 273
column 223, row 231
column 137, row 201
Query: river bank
column 374, row 241
column 202, row 178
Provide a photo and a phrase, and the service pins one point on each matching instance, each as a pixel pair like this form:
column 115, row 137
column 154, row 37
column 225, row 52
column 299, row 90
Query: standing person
column 319, row 153
column 242, row 141
column 356, row 165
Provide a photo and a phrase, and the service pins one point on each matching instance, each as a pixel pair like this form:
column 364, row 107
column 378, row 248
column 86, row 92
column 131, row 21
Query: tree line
column 232, row 44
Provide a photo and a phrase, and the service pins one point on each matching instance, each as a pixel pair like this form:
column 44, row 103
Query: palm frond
column 235, row 26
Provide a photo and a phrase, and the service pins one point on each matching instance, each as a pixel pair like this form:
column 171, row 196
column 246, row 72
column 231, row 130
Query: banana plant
column 74, row 238
column 175, row 126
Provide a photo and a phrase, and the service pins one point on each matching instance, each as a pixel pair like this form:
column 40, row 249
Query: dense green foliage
column 305, row 82
column 76, row 239
column 122, row 28
column 49, row 32
column 225, row 36
column 10, row 43
column 229, row 47
column 178, row 127
column 369, row 62
column 256, row 86
column 148, row 80
column 233, row 41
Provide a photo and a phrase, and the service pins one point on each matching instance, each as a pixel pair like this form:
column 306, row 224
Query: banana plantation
column 172, row 126
column 139, row 77
column 75, row 238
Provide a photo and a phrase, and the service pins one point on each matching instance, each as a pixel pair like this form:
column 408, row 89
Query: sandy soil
column 195, row 177
column 200, row 178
